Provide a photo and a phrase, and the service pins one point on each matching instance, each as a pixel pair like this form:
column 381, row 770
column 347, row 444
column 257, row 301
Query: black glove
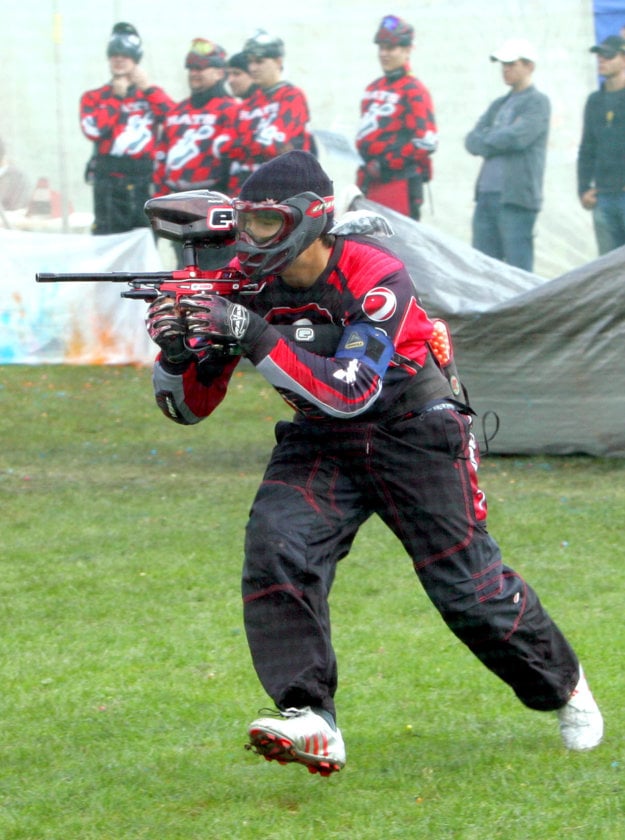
column 166, row 327
column 216, row 318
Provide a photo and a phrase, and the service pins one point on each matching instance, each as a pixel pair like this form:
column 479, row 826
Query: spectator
column 188, row 153
column 122, row 119
column 239, row 80
column 601, row 157
column 275, row 119
column 511, row 136
column 397, row 133
column 15, row 191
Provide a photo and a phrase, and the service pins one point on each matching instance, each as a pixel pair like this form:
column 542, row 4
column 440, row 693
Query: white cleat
column 299, row 735
column 581, row 723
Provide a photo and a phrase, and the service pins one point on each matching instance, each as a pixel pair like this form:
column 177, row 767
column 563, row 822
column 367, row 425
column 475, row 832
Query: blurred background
column 54, row 50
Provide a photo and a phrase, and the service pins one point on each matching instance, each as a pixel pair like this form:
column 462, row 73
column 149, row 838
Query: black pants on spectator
column 121, row 186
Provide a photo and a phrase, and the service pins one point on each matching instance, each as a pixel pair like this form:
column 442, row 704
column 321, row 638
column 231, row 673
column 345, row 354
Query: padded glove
column 166, row 327
column 213, row 317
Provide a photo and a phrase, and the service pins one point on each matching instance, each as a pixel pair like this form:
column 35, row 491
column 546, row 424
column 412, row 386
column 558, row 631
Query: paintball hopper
column 201, row 218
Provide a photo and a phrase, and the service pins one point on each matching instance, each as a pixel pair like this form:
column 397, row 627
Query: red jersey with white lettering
column 188, row 154
column 124, row 126
column 397, row 126
column 270, row 122
column 363, row 284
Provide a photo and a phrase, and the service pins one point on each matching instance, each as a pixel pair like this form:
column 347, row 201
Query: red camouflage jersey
column 397, row 126
column 189, row 151
column 269, row 123
column 364, row 283
column 124, row 127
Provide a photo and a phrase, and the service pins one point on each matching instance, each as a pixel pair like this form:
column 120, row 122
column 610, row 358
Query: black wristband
column 254, row 332
column 175, row 367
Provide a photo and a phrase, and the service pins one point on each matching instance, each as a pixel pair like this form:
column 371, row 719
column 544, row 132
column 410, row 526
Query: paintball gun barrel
column 147, row 285
column 204, row 222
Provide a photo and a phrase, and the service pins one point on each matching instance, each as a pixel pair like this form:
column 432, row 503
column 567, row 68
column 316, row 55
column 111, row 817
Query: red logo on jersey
column 379, row 304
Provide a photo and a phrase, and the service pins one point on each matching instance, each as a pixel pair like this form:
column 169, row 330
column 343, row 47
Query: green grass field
column 126, row 681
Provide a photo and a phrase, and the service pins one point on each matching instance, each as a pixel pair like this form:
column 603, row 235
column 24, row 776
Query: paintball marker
column 203, row 221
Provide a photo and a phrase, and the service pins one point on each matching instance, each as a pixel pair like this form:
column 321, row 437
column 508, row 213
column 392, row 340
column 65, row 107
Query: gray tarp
column 547, row 356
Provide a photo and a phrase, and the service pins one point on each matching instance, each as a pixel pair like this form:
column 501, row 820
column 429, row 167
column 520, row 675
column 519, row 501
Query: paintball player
column 122, row 119
column 188, row 155
column 397, row 132
column 376, row 430
column 274, row 119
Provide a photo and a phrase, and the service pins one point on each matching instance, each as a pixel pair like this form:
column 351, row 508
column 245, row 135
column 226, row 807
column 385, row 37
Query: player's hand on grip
column 214, row 317
column 166, row 327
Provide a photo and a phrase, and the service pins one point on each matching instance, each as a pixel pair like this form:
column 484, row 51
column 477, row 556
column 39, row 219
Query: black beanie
column 286, row 176
column 239, row 60
column 125, row 40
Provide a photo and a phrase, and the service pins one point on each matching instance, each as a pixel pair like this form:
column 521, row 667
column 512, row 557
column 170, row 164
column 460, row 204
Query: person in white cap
column 511, row 137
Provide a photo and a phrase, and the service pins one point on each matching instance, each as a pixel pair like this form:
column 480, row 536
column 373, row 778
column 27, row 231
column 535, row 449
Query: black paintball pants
column 419, row 475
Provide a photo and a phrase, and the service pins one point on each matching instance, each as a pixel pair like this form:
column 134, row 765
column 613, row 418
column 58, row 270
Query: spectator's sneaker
column 299, row 735
column 581, row 723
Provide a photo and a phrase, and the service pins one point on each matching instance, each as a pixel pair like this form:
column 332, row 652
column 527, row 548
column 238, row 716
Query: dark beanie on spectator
column 125, row 40
column 239, row 60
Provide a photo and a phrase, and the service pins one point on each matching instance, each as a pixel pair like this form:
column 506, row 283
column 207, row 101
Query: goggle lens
column 260, row 225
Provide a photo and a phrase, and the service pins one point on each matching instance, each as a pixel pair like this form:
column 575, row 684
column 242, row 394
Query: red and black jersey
column 188, row 153
column 397, row 126
column 124, row 127
column 270, row 122
column 363, row 284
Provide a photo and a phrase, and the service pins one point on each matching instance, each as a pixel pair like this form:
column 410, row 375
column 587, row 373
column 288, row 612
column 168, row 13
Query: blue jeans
column 609, row 221
column 504, row 231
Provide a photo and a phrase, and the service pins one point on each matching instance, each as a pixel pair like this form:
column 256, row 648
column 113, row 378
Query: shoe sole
column 274, row 747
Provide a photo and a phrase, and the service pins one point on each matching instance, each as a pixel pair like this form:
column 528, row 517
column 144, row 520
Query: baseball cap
column 514, row 49
column 610, row 46
column 203, row 54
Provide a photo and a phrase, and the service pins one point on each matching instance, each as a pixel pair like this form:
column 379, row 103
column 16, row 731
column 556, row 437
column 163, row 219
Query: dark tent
column 547, row 356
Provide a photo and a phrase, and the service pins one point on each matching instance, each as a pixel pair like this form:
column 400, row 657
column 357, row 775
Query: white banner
column 73, row 323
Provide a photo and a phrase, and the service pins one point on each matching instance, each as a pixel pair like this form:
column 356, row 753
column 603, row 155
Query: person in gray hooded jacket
column 511, row 136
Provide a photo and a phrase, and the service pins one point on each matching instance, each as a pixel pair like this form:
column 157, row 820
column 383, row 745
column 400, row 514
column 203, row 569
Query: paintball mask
column 270, row 235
